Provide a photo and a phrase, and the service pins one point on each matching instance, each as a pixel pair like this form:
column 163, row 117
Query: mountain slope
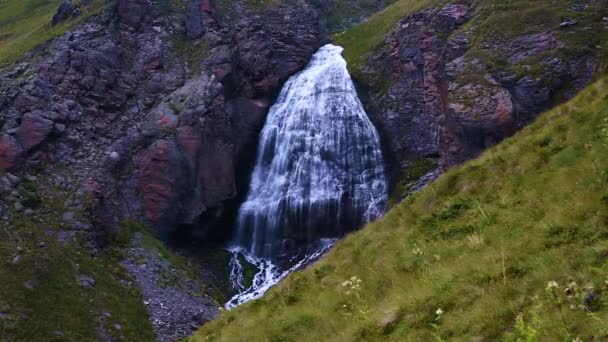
column 470, row 256
column 26, row 24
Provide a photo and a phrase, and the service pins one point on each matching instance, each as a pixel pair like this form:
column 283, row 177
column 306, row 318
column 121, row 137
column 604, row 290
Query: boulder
column 33, row 130
column 10, row 152
column 66, row 11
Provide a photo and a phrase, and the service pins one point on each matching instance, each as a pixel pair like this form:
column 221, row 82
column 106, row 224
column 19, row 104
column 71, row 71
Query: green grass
column 57, row 307
column 25, row 24
column 408, row 178
column 481, row 244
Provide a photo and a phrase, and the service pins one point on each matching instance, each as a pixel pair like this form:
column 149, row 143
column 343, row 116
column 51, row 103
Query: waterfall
column 319, row 174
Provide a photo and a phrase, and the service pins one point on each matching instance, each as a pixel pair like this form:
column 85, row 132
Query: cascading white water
column 319, row 173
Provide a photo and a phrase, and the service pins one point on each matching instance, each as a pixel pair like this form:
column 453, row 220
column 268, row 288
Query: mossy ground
column 40, row 295
column 26, row 24
column 480, row 244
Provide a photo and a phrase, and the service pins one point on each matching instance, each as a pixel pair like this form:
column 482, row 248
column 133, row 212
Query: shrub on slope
column 513, row 245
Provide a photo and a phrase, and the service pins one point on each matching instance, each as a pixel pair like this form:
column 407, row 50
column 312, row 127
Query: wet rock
column 114, row 156
column 86, row 281
column 568, row 23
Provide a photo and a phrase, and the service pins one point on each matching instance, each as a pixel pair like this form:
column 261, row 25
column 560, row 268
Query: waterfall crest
column 319, row 171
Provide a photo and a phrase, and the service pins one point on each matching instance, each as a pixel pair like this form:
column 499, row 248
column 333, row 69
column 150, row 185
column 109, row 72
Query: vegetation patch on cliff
column 364, row 38
column 510, row 246
column 26, row 24
column 579, row 25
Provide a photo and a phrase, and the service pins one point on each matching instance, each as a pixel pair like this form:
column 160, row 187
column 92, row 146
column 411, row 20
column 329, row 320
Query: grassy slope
column 55, row 306
column 481, row 244
column 25, row 24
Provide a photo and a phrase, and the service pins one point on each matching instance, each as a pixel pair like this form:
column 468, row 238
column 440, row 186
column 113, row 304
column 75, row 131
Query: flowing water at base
column 319, row 174
column 269, row 274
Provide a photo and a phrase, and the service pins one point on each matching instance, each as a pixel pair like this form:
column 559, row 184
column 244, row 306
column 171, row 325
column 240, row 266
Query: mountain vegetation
column 510, row 246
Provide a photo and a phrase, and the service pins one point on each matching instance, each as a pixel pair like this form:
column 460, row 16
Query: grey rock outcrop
column 431, row 99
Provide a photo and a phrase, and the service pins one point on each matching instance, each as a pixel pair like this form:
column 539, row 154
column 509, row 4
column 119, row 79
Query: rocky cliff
column 448, row 81
column 154, row 111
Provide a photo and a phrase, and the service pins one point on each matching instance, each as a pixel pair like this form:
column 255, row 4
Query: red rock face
column 189, row 142
column 207, row 8
column 32, row 131
column 159, row 176
column 10, row 152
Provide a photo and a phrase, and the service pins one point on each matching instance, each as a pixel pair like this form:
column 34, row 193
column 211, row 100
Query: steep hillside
column 512, row 245
column 26, row 24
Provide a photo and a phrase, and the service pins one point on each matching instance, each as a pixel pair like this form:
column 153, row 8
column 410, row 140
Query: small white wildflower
column 417, row 251
column 439, row 312
column 552, row 285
